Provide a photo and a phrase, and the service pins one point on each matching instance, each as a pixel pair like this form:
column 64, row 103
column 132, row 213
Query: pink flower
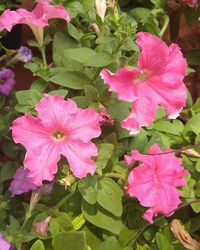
column 4, row 244
column 190, row 3
column 59, row 129
column 158, row 80
column 154, row 182
column 36, row 19
column 41, row 227
column 21, row 182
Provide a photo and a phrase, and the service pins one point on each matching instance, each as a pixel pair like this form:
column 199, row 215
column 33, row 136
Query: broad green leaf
column 88, row 188
column 100, row 218
column 76, row 34
column 168, row 127
column 54, row 227
column 110, row 196
column 110, row 244
column 162, row 242
column 62, row 92
column 104, row 154
column 70, row 241
column 71, row 79
column 62, row 42
column 159, row 3
column 89, row 57
column 38, row 245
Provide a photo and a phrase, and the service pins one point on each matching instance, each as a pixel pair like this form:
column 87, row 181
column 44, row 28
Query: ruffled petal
column 122, row 83
column 84, row 125
column 154, row 53
column 54, row 110
column 29, row 131
column 42, row 162
column 79, row 156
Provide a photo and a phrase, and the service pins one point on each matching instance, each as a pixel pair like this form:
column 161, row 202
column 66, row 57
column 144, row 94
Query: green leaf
column 159, row 3
column 62, row 92
column 110, row 244
column 88, row 188
column 91, row 93
column 174, row 128
column 38, row 245
column 27, row 99
column 76, row 34
column 80, row 54
column 104, row 154
column 54, row 227
column 89, row 57
column 162, row 242
column 61, row 42
column 70, row 241
column 71, row 79
column 110, row 196
column 196, row 207
column 7, row 171
column 100, row 218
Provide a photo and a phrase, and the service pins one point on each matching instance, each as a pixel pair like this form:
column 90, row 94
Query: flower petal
column 121, row 83
column 79, row 156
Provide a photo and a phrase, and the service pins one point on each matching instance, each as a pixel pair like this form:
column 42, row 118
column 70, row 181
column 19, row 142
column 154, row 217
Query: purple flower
column 21, row 183
column 24, row 54
column 7, row 81
column 4, row 245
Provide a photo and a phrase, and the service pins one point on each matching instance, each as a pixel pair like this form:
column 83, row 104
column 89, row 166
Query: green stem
column 165, row 24
column 42, row 50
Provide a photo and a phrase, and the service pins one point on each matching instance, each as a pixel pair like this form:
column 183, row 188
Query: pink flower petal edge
column 190, row 3
column 154, row 183
column 158, row 81
column 61, row 128
column 40, row 15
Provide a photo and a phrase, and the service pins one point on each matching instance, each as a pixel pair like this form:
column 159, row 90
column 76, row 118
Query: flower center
column 2, row 80
column 141, row 77
column 59, row 135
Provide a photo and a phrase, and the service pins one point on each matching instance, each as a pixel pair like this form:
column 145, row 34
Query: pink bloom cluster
column 61, row 128
column 190, row 3
column 158, row 80
column 154, row 182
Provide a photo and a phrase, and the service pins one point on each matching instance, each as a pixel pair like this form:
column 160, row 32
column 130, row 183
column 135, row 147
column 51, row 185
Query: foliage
column 95, row 212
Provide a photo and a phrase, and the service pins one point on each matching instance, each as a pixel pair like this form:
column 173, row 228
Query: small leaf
column 70, row 241
column 38, row 245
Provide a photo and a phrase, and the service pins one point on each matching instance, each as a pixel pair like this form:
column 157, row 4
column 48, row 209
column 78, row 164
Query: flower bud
column 101, row 6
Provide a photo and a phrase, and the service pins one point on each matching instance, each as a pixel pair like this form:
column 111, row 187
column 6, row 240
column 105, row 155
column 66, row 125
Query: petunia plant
column 102, row 149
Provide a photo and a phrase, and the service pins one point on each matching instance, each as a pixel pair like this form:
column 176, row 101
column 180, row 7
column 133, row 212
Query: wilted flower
column 154, row 182
column 7, row 81
column 106, row 117
column 4, row 244
column 101, row 7
column 24, row 54
column 36, row 19
column 158, row 80
column 61, row 128
column 190, row 3
column 41, row 227
column 21, row 182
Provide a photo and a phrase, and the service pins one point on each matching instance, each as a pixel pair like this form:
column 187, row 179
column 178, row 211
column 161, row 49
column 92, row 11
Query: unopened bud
column 101, row 6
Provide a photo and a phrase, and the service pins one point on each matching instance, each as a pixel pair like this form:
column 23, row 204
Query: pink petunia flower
column 190, row 3
column 36, row 19
column 61, row 128
column 154, row 182
column 158, row 80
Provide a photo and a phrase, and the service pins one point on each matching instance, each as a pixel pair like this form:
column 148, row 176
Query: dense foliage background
column 95, row 212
